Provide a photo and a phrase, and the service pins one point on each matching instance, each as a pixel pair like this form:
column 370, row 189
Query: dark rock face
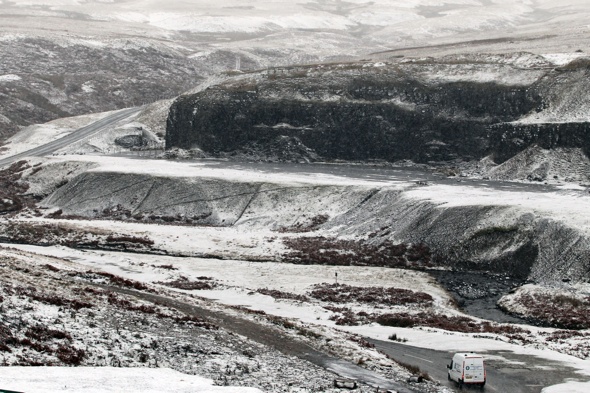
column 130, row 141
column 389, row 113
column 514, row 138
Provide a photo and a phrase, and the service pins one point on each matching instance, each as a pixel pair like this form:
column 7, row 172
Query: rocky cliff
column 425, row 110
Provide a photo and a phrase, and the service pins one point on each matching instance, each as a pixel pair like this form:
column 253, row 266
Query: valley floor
column 249, row 285
column 214, row 267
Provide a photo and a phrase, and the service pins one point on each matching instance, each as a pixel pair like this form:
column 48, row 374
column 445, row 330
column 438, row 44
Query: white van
column 467, row 369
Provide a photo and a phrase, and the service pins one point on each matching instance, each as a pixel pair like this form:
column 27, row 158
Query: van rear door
column 474, row 370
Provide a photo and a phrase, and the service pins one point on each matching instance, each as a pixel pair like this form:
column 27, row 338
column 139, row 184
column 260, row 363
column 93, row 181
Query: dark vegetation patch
column 450, row 323
column 276, row 294
column 415, row 370
column 124, row 240
column 6, row 337
column 182, row 282
column 42, row 234
column 51, row 298
column 41, row 339
column 70, row 355
column 167, row 267
column 120, row 302
column 66, row 235
column 42, row 333
column 153, row 309
column 51, row 268
column 560, row 311
column 121, row 213
column 394, row 337
column 342, row 293
column 12, row 189
column 301, row 227
column 248, row 310
column 361, row 341
column 56, row 214
column 347, row 317
column 329, row 251
column 120, row 281
column 288, row 324
column 564, row 335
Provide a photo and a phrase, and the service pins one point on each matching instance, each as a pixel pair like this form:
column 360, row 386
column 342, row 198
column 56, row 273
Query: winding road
column 75, row 136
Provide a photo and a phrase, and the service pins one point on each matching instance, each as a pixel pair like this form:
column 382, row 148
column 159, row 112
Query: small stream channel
column 477, row 293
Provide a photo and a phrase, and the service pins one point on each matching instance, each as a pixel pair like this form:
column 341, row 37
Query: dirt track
column 273, row 337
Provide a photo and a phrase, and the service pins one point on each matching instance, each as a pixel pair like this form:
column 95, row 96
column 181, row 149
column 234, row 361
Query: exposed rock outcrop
column 428, row 111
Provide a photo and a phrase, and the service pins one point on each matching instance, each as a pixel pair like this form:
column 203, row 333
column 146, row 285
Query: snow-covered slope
column 524, row 231
column 109, row 379
column 544, row 165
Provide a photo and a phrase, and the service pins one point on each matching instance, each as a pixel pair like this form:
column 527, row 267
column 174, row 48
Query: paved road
column 79, row 134
column 506, row 371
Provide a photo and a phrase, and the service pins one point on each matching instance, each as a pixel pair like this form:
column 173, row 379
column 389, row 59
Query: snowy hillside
column 407, row 21
column 295, row 196
column 183, row 42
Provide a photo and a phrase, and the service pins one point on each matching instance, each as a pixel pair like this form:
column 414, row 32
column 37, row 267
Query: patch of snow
column 545, row 165
column 200, row 54
column 136, row 17
column 210, row 24
column 88, row 87
column 561, row 59
column 307, row 21
column 572, row 208
column 383, row 17
column 109, row 379
column 202, row 169
column 480, row 73
column 568, row 387
column 11, row 37
column 10, row 78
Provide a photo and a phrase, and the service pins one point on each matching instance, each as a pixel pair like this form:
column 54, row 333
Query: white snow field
column 379, row 25
column 108, row 379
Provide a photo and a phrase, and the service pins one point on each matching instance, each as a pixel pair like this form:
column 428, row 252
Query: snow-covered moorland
column 273, row 289
column 303, row 301
column 223, row 311
column 56, row 313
